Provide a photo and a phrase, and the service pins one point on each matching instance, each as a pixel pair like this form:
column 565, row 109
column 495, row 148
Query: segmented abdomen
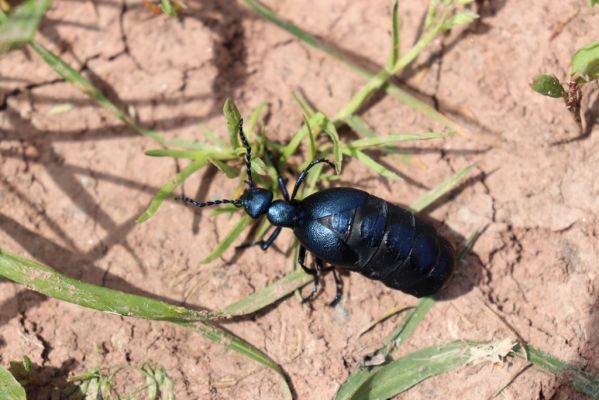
column 397, row 248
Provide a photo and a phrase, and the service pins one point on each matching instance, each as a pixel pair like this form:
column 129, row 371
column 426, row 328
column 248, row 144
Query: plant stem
column 377, row 81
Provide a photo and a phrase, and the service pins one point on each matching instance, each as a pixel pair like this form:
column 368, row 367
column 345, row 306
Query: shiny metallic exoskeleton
column 352, row 230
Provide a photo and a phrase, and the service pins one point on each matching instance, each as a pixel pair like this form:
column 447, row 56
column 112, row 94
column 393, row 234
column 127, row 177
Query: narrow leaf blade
column 245, row 221
column 69, row 74
column 22, row 23
column 9, row 386
column 407, row 371
column 396, row 137
column 47, row 281
column 233, row 117
column 166, row 190
column 580, row 380
column 440, row 190
column 370, row 163
column 269, row 295
column 330, row 130
column 168, row 8
column 395, row 37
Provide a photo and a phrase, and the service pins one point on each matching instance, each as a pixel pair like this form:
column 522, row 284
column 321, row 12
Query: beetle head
column 256, row 201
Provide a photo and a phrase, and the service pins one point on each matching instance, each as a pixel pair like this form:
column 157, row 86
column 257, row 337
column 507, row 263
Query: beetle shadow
column 469, row 268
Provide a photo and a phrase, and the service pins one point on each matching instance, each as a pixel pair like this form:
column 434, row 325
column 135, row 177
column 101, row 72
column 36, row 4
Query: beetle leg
column 338, row 289
column 279, row 177
column 264, row 244
column 338, row 283
column 301, row 257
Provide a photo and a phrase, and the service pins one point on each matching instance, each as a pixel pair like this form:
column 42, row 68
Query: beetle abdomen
column 410, row 255
column 392, row 245
column 354, row 230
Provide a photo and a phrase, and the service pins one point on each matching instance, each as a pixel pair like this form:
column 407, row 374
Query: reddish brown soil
column 72, row 185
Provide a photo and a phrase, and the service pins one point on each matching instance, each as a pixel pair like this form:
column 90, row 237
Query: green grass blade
column 291, row 28
column 269, row 295
column 375, row 82
column 406, row 372
column 21, row 24
column 245, row 221
column 232, row 342
column 378, row 141
column 226, row 209
column 370, row 162
column 395, row 37
column 253, row 120
column 425, row 109
column 229, row 172
column 259, row 167
column 212, row 137
column 579, row 379
column 168, row 8
column 317, row 122
column 9, row 387
column 44, row 280
column 233, row 117
column 197, row 154
column 186, row 154
column 312, row 152
column 47, row 281
column 378, row 81
column 440, row 190
column 303, row 103
column 431, row 13
column 360, row 127
column 403, row 332
column 386, row 315
column 166, row 190
column 330, row 130
column 69, row 74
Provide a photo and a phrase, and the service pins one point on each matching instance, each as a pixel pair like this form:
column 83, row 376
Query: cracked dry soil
column 73, row 183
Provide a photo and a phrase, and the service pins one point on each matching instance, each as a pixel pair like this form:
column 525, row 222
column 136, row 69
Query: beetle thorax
column 282, row 213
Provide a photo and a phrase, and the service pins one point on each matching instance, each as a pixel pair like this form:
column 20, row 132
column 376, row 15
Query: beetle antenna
column 185, row 199
column 304, row 173
column 248, row 153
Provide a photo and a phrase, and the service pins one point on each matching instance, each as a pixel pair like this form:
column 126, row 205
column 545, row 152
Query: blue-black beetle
column 352, row 230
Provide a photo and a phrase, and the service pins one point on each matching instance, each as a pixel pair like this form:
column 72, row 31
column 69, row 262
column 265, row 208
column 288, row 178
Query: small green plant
column 584, row 69
column 21, row 370
column 98, row 383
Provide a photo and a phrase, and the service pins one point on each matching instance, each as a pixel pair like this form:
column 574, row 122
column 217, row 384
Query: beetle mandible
column 349, row 229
